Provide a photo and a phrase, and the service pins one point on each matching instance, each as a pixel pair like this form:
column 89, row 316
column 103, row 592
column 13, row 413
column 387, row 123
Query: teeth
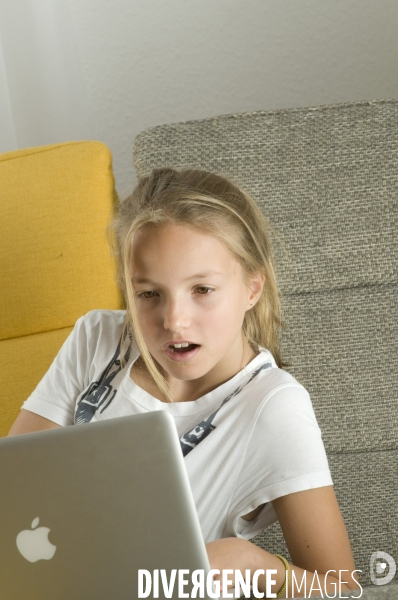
column 183, row 345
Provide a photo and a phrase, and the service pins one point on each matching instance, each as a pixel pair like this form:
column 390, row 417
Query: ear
column 256, row 284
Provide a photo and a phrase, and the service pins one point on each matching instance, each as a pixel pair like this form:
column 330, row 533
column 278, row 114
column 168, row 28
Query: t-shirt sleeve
column 55, row 396
column 284, row 454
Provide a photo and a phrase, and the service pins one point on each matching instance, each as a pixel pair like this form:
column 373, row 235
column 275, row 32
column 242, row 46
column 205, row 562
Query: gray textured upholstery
column 327, row 178
column 371, row 592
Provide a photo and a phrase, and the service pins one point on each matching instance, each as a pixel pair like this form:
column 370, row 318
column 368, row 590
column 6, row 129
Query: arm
column 28, row 422
column 317, row 540
column 316, row 537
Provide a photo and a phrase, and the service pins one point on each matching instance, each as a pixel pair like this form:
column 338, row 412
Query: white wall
column 43, row 98
column 148, row 62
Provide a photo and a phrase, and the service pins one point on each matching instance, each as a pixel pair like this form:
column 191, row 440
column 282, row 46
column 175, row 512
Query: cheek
column 146, row 318
column 226, row 316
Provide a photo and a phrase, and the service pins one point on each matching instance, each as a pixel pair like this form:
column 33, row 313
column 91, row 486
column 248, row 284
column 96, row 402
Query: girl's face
column 188, row 287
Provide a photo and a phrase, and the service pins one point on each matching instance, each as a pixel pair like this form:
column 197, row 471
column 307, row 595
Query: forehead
column 180, row 247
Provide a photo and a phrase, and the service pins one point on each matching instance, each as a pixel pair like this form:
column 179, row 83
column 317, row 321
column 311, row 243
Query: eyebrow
column 197, row 276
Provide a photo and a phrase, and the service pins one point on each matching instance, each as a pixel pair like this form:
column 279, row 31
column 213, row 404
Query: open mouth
column 184, row 349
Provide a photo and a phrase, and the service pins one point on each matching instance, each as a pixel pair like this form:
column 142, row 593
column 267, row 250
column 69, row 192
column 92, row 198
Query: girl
column 199, row 339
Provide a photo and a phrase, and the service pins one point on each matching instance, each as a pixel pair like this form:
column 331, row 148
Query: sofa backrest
column 327, row 179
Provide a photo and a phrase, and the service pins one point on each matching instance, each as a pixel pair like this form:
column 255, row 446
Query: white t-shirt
column 263, row 443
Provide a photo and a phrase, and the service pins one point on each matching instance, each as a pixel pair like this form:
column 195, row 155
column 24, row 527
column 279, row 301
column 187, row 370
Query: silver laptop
column 92, row 511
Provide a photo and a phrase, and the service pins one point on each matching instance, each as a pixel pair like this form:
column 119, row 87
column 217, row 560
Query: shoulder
column 267, row 379
column 277, row 397
column 284, row 429
column 97, row 333
column 103, row 318
column 101, row 322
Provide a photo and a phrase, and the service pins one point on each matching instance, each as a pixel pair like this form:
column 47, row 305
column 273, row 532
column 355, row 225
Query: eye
column 203, row 287
column 142, row 295
column 202, row 290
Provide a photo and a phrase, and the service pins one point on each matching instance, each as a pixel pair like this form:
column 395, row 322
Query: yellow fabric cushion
column 56, row 262
column 24, row 361
column 55, row 259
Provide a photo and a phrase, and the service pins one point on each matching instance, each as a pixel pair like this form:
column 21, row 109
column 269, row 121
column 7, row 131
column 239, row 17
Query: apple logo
column 34, row 544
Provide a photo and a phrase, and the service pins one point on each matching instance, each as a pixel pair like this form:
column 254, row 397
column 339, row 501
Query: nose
column 176, row 315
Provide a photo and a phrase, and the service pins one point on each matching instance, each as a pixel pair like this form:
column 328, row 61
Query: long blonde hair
column 218, row 207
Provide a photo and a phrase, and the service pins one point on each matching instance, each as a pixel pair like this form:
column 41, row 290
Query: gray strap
column 192, row 438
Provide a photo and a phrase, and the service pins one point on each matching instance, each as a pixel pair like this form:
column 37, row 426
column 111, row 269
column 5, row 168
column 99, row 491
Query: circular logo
column 382, row 568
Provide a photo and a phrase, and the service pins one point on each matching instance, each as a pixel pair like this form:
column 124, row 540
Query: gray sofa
column 327, row 178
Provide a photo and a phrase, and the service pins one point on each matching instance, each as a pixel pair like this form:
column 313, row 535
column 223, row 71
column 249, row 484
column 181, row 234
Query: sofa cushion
column 55, row 259
column 56, row 262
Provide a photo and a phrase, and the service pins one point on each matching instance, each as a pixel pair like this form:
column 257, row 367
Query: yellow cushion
column 24, row 361
column 55, row 259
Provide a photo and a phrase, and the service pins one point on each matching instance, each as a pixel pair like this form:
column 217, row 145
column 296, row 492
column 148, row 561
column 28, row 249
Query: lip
column 177, row 357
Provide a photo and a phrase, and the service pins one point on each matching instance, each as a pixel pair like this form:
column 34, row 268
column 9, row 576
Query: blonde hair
column 218, row 207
